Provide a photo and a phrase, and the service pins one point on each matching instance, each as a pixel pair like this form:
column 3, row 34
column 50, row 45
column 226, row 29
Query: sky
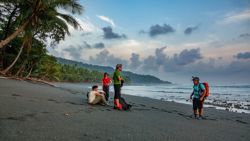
column 171, row 39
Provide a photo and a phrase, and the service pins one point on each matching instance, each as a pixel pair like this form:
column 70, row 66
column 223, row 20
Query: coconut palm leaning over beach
column 37, row 20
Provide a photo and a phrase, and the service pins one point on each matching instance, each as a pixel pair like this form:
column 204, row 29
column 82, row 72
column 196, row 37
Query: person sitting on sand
column 106, row 81
column 96, row 97
column 198, row 96
column 117, row 86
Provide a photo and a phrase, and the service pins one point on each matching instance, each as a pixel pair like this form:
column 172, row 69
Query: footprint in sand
column 51, row 100
column 239, row 121
column 155, row 108
column 142, row 105
column 16, row 95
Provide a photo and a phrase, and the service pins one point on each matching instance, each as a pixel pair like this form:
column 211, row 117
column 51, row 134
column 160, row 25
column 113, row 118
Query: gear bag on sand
column 123, row 105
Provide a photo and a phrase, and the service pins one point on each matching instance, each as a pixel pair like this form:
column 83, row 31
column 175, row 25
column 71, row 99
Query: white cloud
column 90, row 32
column 106, row 19
column 84, row 21
column 236, row 17
column 86, row 25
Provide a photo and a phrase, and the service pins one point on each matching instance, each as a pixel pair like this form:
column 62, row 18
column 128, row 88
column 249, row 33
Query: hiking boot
column 201, row 117
column 195, row 117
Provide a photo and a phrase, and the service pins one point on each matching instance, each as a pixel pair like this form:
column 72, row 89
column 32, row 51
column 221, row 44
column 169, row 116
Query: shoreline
column 31, row 111
column 231, row 107
column 217, row 104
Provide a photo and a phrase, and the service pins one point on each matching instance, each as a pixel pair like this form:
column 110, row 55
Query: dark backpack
column 125, row 105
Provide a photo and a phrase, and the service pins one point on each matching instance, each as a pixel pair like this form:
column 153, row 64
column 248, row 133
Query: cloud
column 245, row 55
column 244, row 35
column 109, row 34
column 189, row 30
column 99, row 45
column 149, row 64
column 160, row 57
column 236, row 17
column 100, row 58
column 106, row 19
column 74, row 52
column 183, row 64
column 160, row 30
column 142, row 32
column 104, row 58
column 157, row 29
column 153, row 63
column 187, row 56
column 237, row 67
column 134, row 61
column 86, row 45
column 84, row 21
column 85, row 34
column 168, row 63
column 86, row 25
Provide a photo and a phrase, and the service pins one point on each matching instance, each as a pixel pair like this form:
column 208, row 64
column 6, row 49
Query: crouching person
column 95, row 97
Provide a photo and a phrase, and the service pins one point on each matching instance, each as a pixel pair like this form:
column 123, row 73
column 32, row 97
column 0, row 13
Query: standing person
column 198, row 96
column 117, row 78
column 106, row 81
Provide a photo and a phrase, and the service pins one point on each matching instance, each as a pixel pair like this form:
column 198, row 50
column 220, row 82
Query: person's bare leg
column 201, row 112
column 117, row 102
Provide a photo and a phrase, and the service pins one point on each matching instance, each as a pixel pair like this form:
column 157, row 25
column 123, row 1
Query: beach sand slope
column 36, row 112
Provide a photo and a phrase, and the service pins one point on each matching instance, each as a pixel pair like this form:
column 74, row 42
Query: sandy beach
column 30, row 112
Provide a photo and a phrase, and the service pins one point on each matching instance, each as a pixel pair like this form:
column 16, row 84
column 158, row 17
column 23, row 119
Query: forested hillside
column 132, row 77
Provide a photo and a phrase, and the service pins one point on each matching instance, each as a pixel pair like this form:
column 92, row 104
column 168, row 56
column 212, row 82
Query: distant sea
column 235, row 98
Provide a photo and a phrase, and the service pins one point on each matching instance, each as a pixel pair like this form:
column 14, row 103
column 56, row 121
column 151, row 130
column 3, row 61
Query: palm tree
column 48, row 24
column 32, row 12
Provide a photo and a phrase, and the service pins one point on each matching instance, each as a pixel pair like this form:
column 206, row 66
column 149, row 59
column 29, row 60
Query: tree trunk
column 20, row 29
column 29, row 72
column 13, row 35
column 20, row 69
column 46, row 74
column 14, row 62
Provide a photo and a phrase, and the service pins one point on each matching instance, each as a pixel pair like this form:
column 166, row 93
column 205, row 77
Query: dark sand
column 35, row 112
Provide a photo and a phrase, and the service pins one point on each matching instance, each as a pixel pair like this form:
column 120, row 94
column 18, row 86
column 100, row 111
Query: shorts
column 197, row 104
column 117, row 88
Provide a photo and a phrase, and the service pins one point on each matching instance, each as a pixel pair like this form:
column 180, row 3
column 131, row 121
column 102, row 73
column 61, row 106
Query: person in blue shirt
column 198, row 96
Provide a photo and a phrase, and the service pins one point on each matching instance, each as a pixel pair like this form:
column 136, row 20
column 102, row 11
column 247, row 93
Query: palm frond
column 72, row 6
column 70, row 20
column 61, row 24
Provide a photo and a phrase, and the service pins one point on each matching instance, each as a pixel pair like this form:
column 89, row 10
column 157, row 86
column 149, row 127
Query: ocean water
column 235, row 98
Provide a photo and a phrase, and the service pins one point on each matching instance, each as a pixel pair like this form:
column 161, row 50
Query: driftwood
column 30, row 79
column 39, row 81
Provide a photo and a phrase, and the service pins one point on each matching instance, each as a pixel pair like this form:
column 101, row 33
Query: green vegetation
column 25, row 27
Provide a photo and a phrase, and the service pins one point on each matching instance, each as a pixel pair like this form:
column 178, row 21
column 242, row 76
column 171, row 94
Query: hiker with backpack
column 119, row 102
column 117, row 78
column 106, row 81
column 200, row 92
